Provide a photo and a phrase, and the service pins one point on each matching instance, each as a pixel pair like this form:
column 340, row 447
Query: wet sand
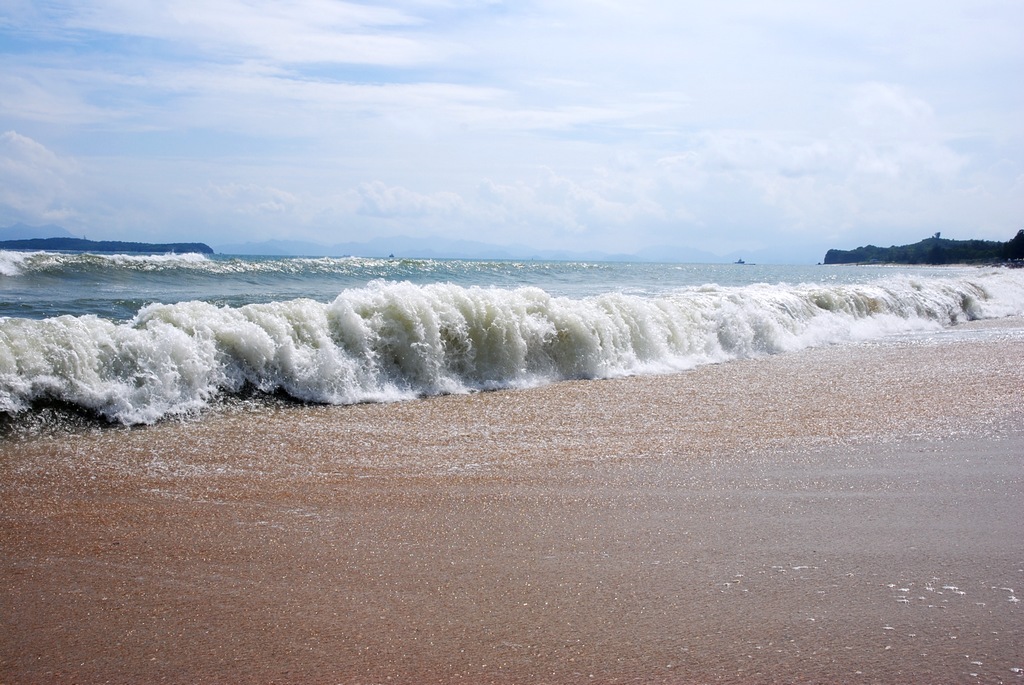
column 848, row 514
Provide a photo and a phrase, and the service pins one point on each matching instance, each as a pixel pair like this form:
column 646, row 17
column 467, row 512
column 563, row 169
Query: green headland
column 934, row 250
column 115, row 246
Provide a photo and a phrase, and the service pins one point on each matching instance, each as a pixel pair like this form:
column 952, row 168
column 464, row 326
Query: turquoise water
column 135, row 339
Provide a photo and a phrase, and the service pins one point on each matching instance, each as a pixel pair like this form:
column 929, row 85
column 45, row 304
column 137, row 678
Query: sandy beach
column 843, row 514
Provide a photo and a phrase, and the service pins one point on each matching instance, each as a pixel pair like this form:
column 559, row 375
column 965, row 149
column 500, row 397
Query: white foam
column 391, row 340
column 13, row 263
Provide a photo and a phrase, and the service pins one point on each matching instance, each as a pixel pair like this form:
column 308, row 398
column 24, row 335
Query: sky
column 601, row 125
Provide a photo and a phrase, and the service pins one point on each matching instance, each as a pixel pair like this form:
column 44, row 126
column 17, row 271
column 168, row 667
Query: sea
column 130, row 339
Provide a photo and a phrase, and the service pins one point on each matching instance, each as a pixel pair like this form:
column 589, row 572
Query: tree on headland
column 1015, row 248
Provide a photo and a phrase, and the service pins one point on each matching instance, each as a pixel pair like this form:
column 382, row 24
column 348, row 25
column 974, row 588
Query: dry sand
column 847, row 514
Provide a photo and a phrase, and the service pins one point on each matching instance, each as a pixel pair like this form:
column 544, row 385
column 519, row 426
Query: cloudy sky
column 598, row 124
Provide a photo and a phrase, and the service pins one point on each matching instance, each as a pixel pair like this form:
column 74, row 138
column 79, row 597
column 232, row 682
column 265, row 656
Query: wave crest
column 397, row 340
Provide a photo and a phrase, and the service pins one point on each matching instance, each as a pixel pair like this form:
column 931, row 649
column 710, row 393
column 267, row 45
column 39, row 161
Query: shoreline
column 846, row 513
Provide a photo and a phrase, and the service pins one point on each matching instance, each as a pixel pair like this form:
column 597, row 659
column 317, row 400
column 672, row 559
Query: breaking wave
column 14, row 264
column 397, row 340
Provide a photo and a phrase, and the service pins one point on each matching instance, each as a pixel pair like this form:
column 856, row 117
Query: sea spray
column 398, row 340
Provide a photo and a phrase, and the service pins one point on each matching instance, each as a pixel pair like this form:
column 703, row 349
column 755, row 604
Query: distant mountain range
column 423, row 248
column 440, row 248
column 26, row 232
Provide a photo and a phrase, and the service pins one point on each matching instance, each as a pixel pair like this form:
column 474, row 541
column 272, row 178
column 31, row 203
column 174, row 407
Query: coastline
column 83, row 245
column 844, row 513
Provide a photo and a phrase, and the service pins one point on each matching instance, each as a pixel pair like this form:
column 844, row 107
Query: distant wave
column 14, row 264
column 397, row 340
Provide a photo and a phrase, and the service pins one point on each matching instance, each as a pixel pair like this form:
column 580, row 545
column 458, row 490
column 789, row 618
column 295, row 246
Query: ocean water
column 134, row 339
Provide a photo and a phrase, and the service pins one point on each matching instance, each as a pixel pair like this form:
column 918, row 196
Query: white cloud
column 54, row 96
column 566, row 122
column 830, row 183
column 34, row 179
column 251, row 199
column 556, row 211
column 289, row 31
column 380, row 200
column 887, row 111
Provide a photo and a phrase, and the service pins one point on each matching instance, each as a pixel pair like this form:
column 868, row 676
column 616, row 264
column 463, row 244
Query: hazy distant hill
column 413, row 248
column 26, row 232
column 439, row 248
